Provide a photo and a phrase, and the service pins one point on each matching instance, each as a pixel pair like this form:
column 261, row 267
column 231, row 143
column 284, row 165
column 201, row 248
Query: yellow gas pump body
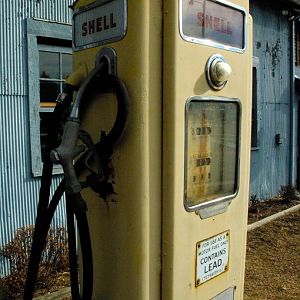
column 145, row 237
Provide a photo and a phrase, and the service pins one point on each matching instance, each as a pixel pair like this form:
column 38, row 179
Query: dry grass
column 273, row 260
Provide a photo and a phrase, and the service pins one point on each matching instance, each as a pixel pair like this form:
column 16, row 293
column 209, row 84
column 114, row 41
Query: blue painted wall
column 18, row 189
column 270, row 167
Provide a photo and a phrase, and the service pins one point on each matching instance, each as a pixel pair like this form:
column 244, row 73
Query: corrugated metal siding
column 271, row 44
column 18, row 189
column 13, row 13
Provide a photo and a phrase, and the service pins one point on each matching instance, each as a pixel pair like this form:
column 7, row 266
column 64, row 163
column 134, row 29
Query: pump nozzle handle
column 66, row 152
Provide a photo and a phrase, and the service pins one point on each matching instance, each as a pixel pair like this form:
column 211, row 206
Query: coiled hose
column 98, row 82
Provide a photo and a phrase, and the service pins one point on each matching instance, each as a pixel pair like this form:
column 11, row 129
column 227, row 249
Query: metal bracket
column 211, row 210
column 110, row 55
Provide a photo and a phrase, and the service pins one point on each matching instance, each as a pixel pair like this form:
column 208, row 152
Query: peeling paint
column 258, row 45
column 275, row 53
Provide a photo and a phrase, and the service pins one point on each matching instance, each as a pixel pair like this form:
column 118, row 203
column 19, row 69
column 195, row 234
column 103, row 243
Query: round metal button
column 218, row 72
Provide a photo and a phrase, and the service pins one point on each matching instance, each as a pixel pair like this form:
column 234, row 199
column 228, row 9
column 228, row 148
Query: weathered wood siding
column 271, row 45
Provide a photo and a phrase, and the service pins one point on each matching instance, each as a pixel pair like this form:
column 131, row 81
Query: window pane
column 49, row 64
column 66, row 65
column 49, row 90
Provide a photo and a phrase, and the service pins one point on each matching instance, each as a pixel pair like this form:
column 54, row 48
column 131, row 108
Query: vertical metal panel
column 18, row 190
column 270, row 163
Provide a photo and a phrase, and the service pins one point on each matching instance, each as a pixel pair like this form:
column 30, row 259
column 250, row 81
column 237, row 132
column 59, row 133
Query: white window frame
column 34, row 29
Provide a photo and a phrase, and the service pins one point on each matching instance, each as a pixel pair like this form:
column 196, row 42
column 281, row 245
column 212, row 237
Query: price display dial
column 211, row 150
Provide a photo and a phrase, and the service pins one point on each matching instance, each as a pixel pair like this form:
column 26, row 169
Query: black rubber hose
column 79, row 208
column 40, row 237
column 42, row 220
column 72, row 250
column 109, row 83
column 51, row 143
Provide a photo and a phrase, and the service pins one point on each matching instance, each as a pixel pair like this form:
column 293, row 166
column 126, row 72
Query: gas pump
column 174, row 224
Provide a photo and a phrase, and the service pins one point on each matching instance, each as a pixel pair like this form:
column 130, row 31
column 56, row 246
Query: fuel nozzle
column 99, row 79
column 65, row 153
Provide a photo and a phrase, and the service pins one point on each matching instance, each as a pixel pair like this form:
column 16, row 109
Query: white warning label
column 212, row 257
